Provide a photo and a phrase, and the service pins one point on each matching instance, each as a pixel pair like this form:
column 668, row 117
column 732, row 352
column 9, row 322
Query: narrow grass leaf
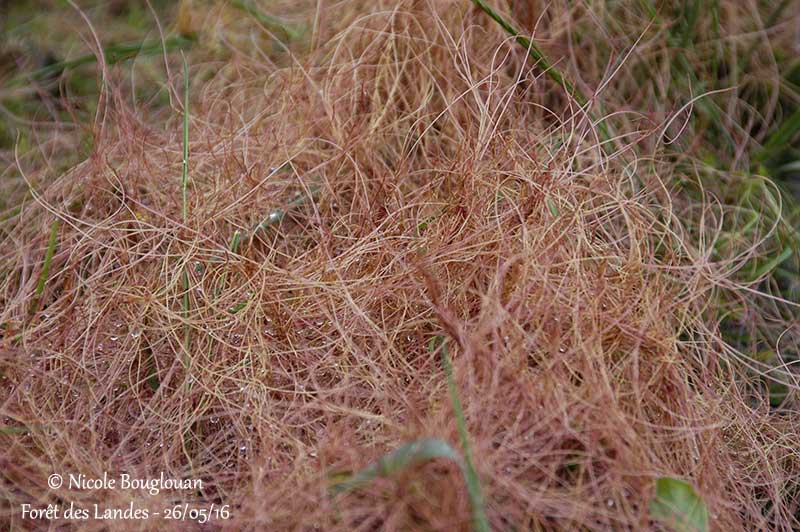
column 480, row 521
column 185, row 174
column 234, row 247
column 278, row 214
column 115, row 54
column 608, row 145
column 780, row 138
column 48, row 257
column 409, row 454
column 14, row 430
column 184, row 186
column 237, row 237
column 551, row 206
column 534, row 51
column 239, row 306
column 772, row 263
column 271, row 23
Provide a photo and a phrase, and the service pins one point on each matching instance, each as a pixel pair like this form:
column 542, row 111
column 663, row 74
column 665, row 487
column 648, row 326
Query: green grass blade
column 534, row 51
column 185, row 176
column 744, row 63
column 237, row 237
column 551, row 206
column 14, row 430
column 678, row 506
column 278, row 214
column 234, row 247
column 480, row 521
column 48, row 258
column 427, row 449
column 608, row 144
column 184, row 186
column 406, row 455
column 780, row 138
column 239, row 306
column 115, row 54
column 274, row 24
column 772, row 263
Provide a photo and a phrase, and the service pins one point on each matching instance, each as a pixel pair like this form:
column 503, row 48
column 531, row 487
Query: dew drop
column 562, row 349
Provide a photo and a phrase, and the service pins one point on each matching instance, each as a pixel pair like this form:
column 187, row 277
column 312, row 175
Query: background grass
column 689, row 109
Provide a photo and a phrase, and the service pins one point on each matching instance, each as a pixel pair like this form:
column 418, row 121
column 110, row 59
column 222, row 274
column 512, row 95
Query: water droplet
column 243, row 449
column 113, row 338
column 562, row 349
column 610, row 503
column 136, row 334
column 214, row 420
column 313, row 454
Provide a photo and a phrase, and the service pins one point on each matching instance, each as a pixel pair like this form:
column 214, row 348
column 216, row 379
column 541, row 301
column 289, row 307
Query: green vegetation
column 591, row 210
